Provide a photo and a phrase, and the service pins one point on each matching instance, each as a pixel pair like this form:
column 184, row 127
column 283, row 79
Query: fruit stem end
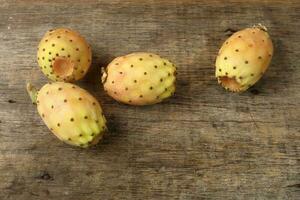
column 261, row 27
column 104, row 75
column 32, row 91
column 230, row 84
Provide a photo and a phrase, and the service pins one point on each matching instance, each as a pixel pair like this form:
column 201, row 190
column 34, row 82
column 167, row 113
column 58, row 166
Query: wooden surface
column 204, row 143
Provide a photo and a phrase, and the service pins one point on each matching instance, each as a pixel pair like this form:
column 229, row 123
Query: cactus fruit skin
column 71, row 113
column 140, row 79
column 243, row 58
column 64, row 55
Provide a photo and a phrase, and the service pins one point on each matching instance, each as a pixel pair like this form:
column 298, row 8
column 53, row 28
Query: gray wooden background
column 204, row 143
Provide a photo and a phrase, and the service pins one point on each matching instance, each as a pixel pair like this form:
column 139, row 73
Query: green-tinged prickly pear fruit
column 244, row 58
column 140, row 79
column 70, row 112
column 64, row 55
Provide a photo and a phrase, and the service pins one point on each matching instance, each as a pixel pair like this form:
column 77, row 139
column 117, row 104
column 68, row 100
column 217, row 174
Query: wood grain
column 204, row 143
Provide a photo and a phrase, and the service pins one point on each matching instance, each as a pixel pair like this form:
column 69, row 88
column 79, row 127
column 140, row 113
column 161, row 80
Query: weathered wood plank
column 202, row 143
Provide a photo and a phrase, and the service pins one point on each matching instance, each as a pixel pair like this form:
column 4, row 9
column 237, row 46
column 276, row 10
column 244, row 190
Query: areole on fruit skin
column 243, row 58
column 139, row 78
column 64, row 55
column 70, row 112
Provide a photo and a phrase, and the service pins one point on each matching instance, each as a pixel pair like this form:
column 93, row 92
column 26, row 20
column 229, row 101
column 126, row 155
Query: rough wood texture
column 204, row 143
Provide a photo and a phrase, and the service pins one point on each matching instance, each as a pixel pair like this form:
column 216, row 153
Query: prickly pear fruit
column 140, row 79
column 70, row 112
column 244, row 58
column 64, row 55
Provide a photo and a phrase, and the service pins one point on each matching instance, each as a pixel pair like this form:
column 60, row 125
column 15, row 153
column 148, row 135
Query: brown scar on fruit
column 63, row 67
column 229, row 83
